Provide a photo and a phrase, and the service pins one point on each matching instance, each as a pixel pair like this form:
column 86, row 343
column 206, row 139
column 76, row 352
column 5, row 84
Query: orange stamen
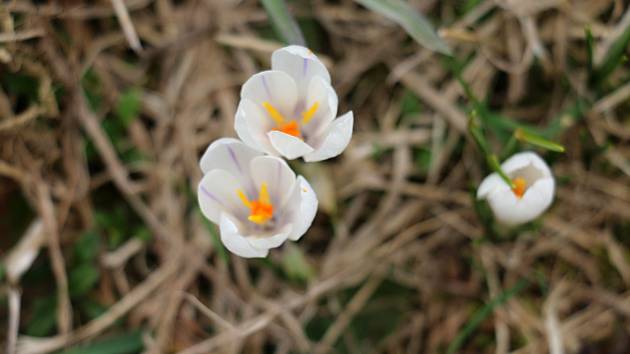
column 261, row 210
column 291, row 128
column 520, row 185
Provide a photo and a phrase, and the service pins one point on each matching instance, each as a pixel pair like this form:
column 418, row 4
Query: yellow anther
column 309, row 113
column 263, row 196
column 261, row 210
column 273, row 113
column 243, row 198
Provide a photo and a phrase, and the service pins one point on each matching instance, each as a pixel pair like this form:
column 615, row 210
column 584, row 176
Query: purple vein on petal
column 210, row 195
column 264, row 80
column 304, row 66
column 233, row 157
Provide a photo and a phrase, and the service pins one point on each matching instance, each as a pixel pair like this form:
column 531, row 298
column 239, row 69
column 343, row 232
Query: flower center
column 290, row 127
column 520, row 186
column 261, row 210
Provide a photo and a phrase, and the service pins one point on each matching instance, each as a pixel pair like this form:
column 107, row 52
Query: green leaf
column 43, row 318
column 128, row 106
column 282, row 21
column 614, row 57
column 121, row 344
column 493, row 162
column 589, row 49
column 87, row 247
column 416, row 25
column 82, row 279
column 295, row 264
column 534, row 139
column 479, row 316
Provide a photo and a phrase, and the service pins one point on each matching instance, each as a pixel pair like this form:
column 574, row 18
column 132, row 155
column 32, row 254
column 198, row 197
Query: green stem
column 493, row 162
column 475, row 131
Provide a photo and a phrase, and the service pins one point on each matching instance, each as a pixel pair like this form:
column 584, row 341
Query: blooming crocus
column 290, row 110
column 531, row 195
column 256, row 199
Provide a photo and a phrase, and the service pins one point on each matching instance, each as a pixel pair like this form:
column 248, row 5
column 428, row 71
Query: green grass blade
column 536, row 140
column 416, row 25
column 122, row 344
column 614, row 57
column 589, row 49
column 479, row 316
column 283, row 22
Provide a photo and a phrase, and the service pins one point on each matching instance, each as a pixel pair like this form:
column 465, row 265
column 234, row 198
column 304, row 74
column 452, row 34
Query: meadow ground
column 99, row 151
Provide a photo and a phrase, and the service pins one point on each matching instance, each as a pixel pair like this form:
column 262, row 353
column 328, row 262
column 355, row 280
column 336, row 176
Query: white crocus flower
column 531, row 196
column 256, row 200
column 290, row 110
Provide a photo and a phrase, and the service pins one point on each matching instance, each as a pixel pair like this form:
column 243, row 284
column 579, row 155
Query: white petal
column 251, row 125
column 511, row 210
column 336, row 140
column 489, row 184
column 267, row 242
column 237, row 243
column 301, row 64
column 305, row 213
column 277, row 174
column 288, row 146
column 228, row 154
column 522, row 159
column 324, row 95
column 217, row 193
column 275, row 87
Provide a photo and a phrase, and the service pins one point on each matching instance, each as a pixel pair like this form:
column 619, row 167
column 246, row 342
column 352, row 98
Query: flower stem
column 491, row 159
column 493, row 162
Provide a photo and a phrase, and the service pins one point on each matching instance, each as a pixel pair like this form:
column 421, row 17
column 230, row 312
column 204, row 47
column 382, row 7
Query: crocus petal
column 228, row 154
column 511, row 210
column 489, row 184
column 522, row 160
column 300, row 63
column 235, row 242
column 217, row 193
column 287, row 145
column 335, row 140
column 277, row 174
column 275, row 87
column 304, row 215
column 507, row 207
column 251, row 126
column 321, row 93
column 273, row 241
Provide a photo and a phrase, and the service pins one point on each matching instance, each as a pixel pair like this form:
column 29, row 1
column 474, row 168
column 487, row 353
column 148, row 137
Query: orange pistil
column 520, row 185
column 261, row 210
column 291, row 128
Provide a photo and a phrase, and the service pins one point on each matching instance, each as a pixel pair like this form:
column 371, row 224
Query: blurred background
column 106, row 107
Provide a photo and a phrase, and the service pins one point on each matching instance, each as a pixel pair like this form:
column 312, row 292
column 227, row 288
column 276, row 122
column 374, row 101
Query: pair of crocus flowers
column 289, row 111
column 247, row 188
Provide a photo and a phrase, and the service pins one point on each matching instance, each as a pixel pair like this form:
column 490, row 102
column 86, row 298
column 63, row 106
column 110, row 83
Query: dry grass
column 399, row 259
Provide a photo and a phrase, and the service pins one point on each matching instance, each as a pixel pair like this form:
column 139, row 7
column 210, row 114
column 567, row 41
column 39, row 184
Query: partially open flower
column 256, row 200
column 291, row 109
column 532, row 193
